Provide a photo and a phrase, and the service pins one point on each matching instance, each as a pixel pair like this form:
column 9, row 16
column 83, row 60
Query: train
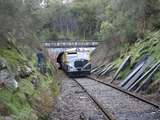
column 75, row 63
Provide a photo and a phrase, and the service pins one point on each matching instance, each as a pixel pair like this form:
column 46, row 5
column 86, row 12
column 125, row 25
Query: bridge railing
column 58, row 44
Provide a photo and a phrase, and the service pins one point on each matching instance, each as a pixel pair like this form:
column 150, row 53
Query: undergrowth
column 29, row 101
column 150, row 45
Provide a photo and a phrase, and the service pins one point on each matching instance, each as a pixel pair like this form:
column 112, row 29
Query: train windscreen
column 71, row 56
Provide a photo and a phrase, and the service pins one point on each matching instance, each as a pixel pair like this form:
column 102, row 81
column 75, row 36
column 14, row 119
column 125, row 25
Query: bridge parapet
column 70, row 44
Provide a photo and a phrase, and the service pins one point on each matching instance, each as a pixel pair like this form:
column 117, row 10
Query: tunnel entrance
column 59, row 58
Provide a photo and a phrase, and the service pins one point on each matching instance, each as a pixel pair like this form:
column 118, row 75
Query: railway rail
column 126, row 92
column 106, row 107
column 107, row 114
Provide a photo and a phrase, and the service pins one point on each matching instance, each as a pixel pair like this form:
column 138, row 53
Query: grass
column 21, row 103
column 150, row 45
column 11, row 55
column 26, row 87
column 14, row 102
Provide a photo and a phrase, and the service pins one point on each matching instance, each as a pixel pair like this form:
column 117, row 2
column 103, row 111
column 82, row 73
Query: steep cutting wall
column 25, row 93
column 107, row 53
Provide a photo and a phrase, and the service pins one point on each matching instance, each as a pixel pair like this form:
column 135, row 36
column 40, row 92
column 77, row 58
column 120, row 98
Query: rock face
column 24, row 71
column 6, row 78
column 3, row 110
column 33, row 98
column 2, row 64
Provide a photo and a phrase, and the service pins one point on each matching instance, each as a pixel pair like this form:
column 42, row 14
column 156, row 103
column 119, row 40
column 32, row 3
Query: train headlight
column 70, row 68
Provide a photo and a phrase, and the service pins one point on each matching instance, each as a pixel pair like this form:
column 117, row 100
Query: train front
column 78, row 63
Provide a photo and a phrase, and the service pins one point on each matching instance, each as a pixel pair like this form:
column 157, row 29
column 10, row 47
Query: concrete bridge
column 70, row 44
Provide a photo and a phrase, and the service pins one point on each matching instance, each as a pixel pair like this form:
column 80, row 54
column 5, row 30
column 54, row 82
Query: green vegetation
column 15, row 103
column 21, row 21
column 122, row 20
column 74, row 20
column 21, row 24
column 129, row 28
column 149, row 45
column 31, row 100
column 12, row 56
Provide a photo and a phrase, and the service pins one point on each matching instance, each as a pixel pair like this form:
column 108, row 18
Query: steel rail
column 126, row 92
column 107, row 114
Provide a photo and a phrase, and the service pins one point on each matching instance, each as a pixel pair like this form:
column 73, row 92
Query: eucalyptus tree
column 21, row 19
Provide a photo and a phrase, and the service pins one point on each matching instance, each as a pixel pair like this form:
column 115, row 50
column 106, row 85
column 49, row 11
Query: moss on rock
column 34, row 97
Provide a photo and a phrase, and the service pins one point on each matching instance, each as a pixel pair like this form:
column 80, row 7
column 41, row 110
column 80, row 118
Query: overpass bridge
column 70, row 44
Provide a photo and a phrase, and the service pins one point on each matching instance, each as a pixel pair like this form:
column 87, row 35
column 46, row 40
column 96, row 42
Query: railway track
column 117, row 104
column 127, row 92
column 108, row 115
column 74, row 104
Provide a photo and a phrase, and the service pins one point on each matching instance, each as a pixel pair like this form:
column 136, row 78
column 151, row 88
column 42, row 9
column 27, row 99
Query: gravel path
column 122, row 106
column 74, row 104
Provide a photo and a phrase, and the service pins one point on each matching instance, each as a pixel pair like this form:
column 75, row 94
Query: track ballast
column 115, row 104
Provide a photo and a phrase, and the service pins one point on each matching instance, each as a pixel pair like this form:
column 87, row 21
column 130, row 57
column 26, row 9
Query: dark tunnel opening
column 59, row 59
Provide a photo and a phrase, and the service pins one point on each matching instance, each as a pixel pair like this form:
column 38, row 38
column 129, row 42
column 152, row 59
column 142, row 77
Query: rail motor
column 75, row 63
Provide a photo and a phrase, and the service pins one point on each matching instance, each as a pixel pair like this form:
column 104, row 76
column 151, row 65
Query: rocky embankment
column 25, row 93
column 148, row 46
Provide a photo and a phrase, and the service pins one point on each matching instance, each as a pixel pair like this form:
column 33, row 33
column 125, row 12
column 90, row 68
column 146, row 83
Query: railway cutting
column 88, row 99
column 122, row 105
column 74, row 104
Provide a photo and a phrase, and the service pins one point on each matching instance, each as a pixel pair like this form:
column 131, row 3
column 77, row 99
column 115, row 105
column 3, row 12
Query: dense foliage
column 130, row 19
column 79, row 19
column 24, row 95
column 102, row 19
column 26, row 22
column 21, row 19
column 75, row 20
